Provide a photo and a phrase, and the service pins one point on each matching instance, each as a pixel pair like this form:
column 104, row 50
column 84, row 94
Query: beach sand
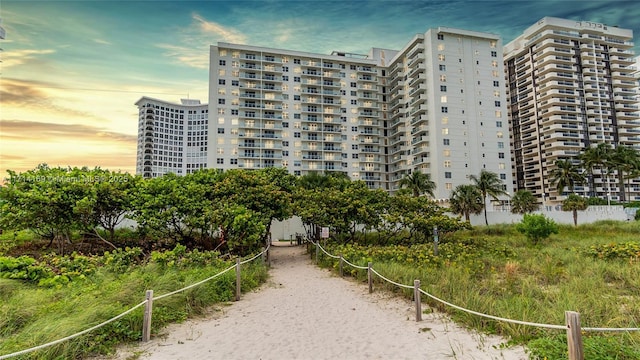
column 304, row 312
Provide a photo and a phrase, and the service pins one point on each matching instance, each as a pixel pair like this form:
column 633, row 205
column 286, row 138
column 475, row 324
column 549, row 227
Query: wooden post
column 370, row 278
column 317, row 251
column 146, row 322
column 238, row 279
column 574, row 335
column 417, row 299
column 268, row 257
column 341, row 267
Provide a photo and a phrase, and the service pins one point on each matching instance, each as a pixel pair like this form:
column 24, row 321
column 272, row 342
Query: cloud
column 29, row 94
column 21, row 130
column 210, row 28
column 193, row 49
column 103, row 42
column 21, row 57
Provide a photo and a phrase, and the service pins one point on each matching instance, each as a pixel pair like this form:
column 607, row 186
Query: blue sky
column 72, row 70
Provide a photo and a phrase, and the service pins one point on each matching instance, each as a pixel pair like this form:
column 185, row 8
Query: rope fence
column 149, row 298
column 572, row 319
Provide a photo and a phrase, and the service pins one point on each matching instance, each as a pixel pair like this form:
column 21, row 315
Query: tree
column 523, row 202
column 574, row 203
column 536, row 227
column 625, row 159
column 595, row 157
column 565, row 174
column 419, row 183
column 466, row 200
column 489, row 184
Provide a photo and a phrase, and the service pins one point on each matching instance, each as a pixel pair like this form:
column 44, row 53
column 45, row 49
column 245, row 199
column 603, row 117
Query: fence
column 148, row 304
column 572, row 318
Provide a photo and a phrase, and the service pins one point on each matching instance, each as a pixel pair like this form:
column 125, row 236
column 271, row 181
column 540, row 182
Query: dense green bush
column 537, row 227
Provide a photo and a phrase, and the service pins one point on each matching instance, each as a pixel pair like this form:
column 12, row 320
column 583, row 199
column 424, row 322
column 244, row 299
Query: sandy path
column 304, row 312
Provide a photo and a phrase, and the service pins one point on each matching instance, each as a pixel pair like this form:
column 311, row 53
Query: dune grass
column 494, row 270
column 31, row 315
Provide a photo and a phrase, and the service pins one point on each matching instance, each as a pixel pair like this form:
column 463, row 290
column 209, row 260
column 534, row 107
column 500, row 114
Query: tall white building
column 172, row 138
column 437, row 105
column 570, row 87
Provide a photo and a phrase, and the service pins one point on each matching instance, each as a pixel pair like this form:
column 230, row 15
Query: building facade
column 172, row 138
column 570, row 87
column 437, row 105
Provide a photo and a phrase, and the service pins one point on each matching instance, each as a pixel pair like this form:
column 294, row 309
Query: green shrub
column 537, row 227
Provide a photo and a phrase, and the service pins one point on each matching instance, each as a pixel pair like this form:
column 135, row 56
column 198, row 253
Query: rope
column 325, row 251
column 547, row 326
column 72, row 336
column 130, row 310
column 257, row 256
column 390, row 281
column 194, row 285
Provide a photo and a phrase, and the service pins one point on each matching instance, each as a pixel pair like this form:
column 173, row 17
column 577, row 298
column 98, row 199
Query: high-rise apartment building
column 172, row 138
column 570, row 87
column 437, row 105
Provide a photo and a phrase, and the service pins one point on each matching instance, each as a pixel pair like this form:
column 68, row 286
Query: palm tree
column 625, row 159
column 595, row 157
column 418, row 183
column 523, row 202
column 489, row 184
column 565, row 174
column 465, row 200
column 574, row 203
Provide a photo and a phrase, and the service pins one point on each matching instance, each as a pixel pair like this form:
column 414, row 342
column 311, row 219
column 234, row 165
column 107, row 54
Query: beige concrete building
column 570, row 86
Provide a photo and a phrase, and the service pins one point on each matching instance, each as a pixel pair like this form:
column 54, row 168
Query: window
column 446, row 141
column 443, row 88
column 444, row 109
column 447, row 163
column 494, row 54
column 296, row 79
column 443, row 78
column 220, row 161
column 503, row 176
column 446, row 153
column 296, row 61
column 354, row 156
column 498, row 113
column 441, row 57
column 500, row 145
column 285, row 124
column 501, row 166
column 222, row 63
column 440, row 36
column 442, row 67
column 353, row 84
column 220, row 130
column 234, row 161
column 235, row 83
column 445, row 131
column 445, row 120
column 447, row 175
column 354, row 102
column 296, row 134
column 221, row 81
column 500, row 155
column 221, row 101
column 296, row 97
column 443, row 99
column 499, row 134
column 448, row 186
column 497, row 103
column 499, row 124
column 496, row 83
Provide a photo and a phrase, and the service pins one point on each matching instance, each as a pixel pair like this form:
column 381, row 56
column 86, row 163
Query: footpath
column 304, row 312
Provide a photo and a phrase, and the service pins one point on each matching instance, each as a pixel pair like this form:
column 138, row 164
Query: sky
column 71, row 71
